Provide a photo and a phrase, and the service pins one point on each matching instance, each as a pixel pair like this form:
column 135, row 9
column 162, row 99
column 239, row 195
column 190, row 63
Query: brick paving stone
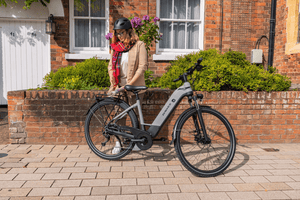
column 229, row 180
column 66, row 183
column 283, row 166
column 242, row 195
column 139, row 189
column 254, row 179
column 170, row 168
column 267, row 157
column 264, row 161
column 235, row 173
column 147, row 169
column 56, row 176
column 4, row 170
column 81, row 191
column 39, row 165
column 160, row 174
column 11, row 184
column 98, row 169
column 52, row 160
column 183, row 174
column 282, row 161
column 121, row 197
column 214, row 196
column 63, row 164
column 183, row 196
column 87, row 164
column 48, row 155
column 153, row 163
column 28, row 177
column 122, row 169
column 110, row 164
column 135, row 175
column 110, row 175
column 69, row 155
column 272, row 195
column 47, row 170
column 248, row 187
column 21, row 170
column 44, row 192
column 172, row 181
column 294, row 185
column 134, row 164
column 59, row 198
column 193, row 188
column 10, row 160
column 197, row 180
column 153, row 197
column 37, row 184
column 83, row 176
column 276, row 186
column 105, row 190
column 164, row 189
column 221, row 187
column 13, row 165
column 295, row 194
column 94, row 182
column 73, row 169
column 7, row 177
column 296, row 178
column 150, row 181
column 258, row 172
column 15, row 192
column 174, row 162
column 279, row 178
column 122, row 182
column 267, row 166
column 90, row 198
column 25, row 198
column 31, row 160
column 281, row 172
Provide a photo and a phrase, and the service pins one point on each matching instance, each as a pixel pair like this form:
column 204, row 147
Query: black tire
column 98, row 116
column 205, row 160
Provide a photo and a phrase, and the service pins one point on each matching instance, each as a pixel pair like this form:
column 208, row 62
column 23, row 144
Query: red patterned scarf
column 118, row 48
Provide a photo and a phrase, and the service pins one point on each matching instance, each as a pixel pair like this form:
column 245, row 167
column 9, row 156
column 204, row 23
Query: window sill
column 166, row 56
column 81, row 56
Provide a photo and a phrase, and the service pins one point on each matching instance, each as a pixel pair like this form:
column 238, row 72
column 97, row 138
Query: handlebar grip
column 177, row 79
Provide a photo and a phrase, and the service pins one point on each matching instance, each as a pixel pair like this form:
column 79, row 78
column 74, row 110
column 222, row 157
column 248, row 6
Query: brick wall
column 286, row 64
column 57, row 117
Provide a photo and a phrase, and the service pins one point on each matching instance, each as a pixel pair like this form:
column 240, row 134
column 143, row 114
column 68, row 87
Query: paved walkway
column 74, row 172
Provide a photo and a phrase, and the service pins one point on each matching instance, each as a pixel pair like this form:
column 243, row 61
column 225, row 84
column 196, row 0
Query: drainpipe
column 221, row 31
column 272, row 33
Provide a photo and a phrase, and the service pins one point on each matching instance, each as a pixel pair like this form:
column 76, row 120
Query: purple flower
column 108, row 36
column 146, row 18
column 156, row 19
column 136, row 22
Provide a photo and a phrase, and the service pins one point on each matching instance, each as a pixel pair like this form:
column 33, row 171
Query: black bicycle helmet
column 122, row 23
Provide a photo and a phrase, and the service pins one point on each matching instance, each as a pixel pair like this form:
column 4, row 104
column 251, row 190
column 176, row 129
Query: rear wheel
column 200, row 157
column 102, row 143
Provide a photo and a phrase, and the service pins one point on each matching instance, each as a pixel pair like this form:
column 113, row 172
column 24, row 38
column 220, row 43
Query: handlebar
column 190, row 71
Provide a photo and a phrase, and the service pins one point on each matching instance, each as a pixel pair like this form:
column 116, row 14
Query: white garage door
column 24, row 55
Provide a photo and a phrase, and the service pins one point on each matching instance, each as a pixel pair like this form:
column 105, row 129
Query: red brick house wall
column 259, row 24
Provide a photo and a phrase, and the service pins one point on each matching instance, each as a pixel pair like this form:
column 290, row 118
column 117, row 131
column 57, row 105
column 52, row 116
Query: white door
column 24, row 55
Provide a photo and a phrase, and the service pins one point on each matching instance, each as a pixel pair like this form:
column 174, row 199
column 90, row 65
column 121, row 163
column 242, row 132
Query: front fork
column 205, row 139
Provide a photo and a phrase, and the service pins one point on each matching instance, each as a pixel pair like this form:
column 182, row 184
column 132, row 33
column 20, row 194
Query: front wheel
column 203, row 158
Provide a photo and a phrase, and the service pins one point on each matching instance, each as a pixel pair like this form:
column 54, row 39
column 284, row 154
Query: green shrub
column 230, row 71
column 150, row 81
column 89, row 74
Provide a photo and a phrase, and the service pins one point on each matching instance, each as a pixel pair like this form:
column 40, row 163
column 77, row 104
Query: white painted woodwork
column 24, row 55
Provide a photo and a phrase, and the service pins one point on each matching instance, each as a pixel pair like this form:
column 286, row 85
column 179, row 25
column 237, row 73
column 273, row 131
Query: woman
column 128, row 59
column 127, row 64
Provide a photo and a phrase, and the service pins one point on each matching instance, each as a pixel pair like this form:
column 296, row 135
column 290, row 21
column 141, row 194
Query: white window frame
column 170, row 54
column 87, row 52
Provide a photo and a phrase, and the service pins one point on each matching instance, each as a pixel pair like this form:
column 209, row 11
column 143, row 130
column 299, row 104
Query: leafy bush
column 89, row 74
column 150, row 81
column 230, row 71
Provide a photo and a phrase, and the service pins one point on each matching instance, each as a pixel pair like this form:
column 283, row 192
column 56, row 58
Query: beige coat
column 137, row 64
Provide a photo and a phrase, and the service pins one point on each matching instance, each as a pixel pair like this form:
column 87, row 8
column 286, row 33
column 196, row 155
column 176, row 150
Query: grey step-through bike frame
column 164, row 114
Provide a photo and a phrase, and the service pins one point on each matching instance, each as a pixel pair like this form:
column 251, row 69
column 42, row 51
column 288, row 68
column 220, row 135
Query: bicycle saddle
column 131, row 87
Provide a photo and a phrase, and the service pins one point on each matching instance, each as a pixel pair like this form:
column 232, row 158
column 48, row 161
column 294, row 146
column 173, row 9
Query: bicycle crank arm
column 126, row 135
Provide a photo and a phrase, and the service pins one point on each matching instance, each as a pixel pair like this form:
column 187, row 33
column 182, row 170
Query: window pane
column 81, row 33
column 179, row 35
column 166, row 9
column 165, row 29
column 85, row 9
column 192, row 35
column 98, row 8
column 180, row 9
column 194, row 9
column 98, row 33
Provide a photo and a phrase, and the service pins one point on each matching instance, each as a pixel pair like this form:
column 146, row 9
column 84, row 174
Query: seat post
column 136, row 95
